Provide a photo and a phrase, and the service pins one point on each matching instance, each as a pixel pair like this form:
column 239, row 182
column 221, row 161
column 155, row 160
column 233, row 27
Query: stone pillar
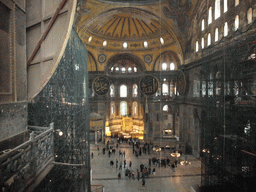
column 96, row 137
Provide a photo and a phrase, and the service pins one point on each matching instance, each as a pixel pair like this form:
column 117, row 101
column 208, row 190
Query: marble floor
column 183, row 179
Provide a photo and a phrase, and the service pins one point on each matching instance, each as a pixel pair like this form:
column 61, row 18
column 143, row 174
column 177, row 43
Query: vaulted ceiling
column 131, row 25
column 124, row 26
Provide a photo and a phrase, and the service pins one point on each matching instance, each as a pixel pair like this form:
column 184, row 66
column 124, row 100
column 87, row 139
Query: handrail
column 22, row 164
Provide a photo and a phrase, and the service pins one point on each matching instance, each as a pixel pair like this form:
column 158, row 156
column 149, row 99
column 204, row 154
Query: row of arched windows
column 167, row 88
column 208, row 41
column 124, row 90
column 123, row 70
column 213, row 86
column 124, row 109
column 166, row 66
column 217, row 10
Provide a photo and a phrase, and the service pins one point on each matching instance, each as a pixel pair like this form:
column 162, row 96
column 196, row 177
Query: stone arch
column 125, row 59
column 167, row 56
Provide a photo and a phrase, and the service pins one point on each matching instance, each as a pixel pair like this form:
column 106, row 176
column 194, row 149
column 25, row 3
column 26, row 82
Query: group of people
column 164, row 162
column 143, row 171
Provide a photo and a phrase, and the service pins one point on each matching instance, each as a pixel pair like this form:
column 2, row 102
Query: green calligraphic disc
column 101, row 85
column 149, row 84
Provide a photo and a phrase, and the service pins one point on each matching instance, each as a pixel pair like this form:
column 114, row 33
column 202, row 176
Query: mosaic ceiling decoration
column 133, row 26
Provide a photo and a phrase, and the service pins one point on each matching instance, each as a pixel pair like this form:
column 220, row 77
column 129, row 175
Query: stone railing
column 21, row 165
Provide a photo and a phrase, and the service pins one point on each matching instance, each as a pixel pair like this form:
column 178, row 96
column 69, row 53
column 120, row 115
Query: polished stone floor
column 165, row 179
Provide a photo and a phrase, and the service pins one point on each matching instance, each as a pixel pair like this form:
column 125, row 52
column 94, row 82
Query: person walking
column 138, row 175
column 173, row 167
column 154, row 171
column 124, row 163
column 116, row 163
column 111, row 163
column 92, row 155
column 133, row 177
column 143, row 181
column 176, row 162
column 130, row 164
column 119, row 175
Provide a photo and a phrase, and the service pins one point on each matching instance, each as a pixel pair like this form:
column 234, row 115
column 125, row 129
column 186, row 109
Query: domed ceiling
column 137, row 28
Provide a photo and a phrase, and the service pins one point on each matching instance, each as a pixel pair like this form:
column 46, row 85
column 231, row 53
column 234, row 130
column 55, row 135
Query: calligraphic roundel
column 101, row 85
column 149, row 84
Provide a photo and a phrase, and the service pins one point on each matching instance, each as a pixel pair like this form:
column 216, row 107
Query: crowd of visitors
column 138, row 149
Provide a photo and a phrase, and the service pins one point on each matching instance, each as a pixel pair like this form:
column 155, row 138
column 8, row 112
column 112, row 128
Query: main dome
column 125, row 25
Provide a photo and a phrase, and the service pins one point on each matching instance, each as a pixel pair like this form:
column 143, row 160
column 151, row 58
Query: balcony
column 24, row 166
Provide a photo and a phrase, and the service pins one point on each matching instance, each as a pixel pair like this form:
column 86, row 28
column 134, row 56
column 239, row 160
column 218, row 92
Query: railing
column 97, row 188
column 21, row 165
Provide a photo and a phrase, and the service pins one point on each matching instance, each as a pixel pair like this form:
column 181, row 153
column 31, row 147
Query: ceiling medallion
column 148, row 58
column 102, row 58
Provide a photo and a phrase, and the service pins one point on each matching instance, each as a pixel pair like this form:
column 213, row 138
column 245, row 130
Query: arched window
column 217, row 9
column 203, row 88
column 218, row 83
column 216, row 34
column 123, row 108
column 164, row 66
column 226, row 29
column 236, row 22
column 225, row 6
column 161, row 40
column 117, row 69
column 196, row 46
column 123, row 91
column 210, row 86
column 158, row 93
column 210, row 16
column 135, row 69
column 202, row 43
column 145, row 44
column 165, row 87
column 172, row 89
column 165, row 108
column 125, row 45
column 112, row 90
column 209, row 39
column 172, row 66
column 236, row 88
column 135, row 90
column 123, row 69
column 129, row 70
column 135, row 109
column 236, row 2
column 249, row 16
column 112, row 109
column 202, row 25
